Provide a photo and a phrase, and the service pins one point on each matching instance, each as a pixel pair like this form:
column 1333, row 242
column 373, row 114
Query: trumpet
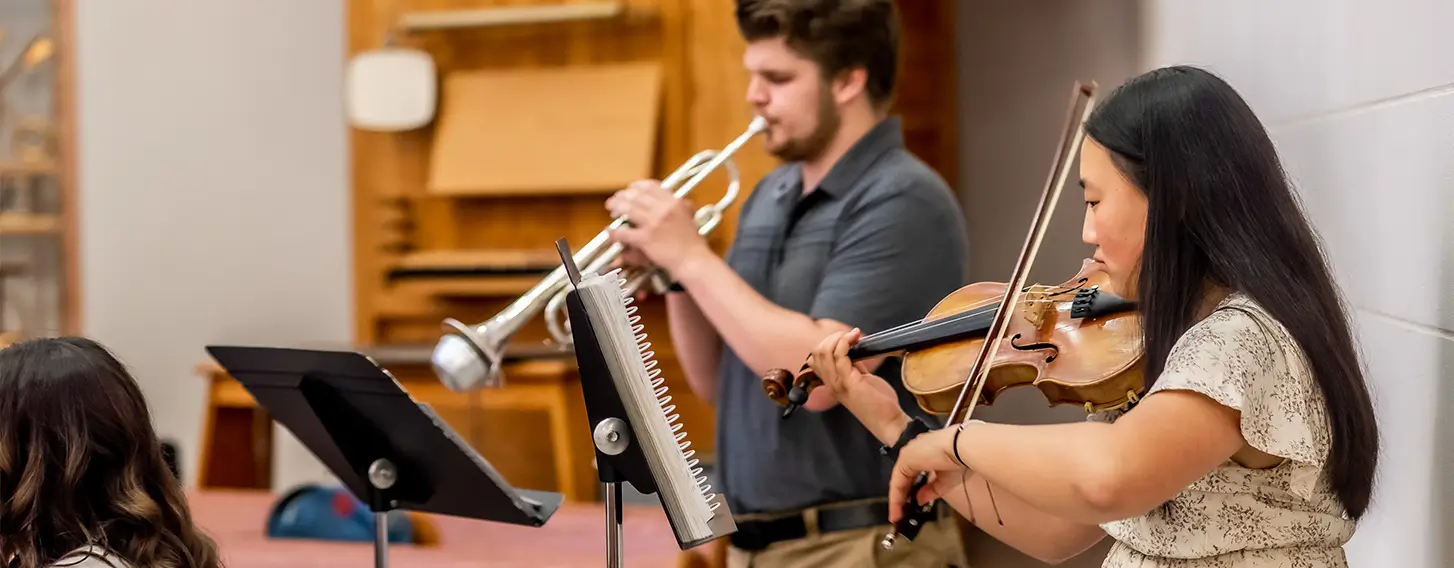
column 469, row 357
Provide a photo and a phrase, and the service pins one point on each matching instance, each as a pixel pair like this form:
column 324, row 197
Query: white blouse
column 1284, row 516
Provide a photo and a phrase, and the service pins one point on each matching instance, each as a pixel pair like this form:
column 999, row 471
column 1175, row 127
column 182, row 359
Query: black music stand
column 618, row 456
column 389, row 450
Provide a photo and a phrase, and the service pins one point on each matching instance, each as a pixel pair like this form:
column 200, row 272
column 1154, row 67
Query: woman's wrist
column 888, row 431
column 959, row 446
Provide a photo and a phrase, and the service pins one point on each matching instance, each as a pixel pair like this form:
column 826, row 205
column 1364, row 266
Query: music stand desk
column 389, row 450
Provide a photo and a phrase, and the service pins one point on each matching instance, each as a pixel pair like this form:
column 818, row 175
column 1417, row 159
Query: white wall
column 214, row 189
column 1359, row 96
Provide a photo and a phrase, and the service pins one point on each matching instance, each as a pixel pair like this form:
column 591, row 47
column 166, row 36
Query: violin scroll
column 788, row 391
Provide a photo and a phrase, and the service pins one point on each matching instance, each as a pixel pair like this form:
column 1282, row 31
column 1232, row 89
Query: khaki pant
column 938, row 545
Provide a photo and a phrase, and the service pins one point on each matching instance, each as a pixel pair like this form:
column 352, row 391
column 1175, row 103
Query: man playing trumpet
column 851, row 231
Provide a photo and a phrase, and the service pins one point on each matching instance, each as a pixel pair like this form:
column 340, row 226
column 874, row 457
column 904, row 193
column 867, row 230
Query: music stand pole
column 611, row 438
column 614, row 556
column 382, row 476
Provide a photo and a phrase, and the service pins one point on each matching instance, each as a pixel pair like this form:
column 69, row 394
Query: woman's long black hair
column 1221, row 211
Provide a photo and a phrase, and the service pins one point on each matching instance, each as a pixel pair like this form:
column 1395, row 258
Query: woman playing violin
column 1255, row 443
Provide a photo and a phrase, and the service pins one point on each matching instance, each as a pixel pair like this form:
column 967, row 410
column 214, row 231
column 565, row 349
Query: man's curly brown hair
column 838, row 35
column 80, row 465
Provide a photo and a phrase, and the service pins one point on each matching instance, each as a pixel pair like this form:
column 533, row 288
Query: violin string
column 920, row 326
column 1058, row 290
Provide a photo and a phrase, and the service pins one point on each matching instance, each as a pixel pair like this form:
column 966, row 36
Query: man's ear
column 849, row 84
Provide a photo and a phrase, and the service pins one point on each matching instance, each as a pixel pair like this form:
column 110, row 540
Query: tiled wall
column 1359, row 96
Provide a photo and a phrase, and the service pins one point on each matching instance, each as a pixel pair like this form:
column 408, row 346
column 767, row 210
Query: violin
column 1075, row 343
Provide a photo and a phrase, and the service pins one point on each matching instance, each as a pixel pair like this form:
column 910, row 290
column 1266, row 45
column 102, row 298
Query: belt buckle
column 810, row 522
column 748, row 536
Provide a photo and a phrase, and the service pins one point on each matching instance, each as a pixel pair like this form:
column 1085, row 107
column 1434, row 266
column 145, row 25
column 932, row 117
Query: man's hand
column 632, row 259
column 662, row 227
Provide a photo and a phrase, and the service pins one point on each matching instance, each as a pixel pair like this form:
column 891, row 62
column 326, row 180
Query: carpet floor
column 574, row 536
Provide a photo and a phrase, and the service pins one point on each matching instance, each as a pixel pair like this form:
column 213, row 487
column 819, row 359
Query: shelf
column 29, row 224
column 29, row 168
column 507, row 16
column 468, row 287
column 456, row 263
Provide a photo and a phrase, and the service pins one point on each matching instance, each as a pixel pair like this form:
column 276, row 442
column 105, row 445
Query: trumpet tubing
column 468, row 357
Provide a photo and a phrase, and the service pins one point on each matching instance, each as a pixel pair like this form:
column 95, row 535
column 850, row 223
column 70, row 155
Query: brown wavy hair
column 80, row 464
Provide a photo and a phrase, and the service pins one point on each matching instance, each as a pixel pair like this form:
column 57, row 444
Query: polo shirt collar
column 887, row 135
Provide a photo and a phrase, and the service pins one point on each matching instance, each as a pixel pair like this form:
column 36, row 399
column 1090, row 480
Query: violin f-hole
column 1054, row 350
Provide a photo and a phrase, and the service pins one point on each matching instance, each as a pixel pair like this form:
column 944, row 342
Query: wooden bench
column 533, row 430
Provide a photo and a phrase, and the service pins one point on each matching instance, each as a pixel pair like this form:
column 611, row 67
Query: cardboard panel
column 546, row 130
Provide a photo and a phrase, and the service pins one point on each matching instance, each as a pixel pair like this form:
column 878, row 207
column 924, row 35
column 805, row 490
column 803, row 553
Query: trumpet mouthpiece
column 758, row 124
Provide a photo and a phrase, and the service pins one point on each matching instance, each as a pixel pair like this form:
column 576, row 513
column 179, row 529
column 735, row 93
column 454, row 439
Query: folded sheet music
column 683, row 489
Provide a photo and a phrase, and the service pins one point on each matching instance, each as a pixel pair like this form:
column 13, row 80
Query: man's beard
column 817, row 141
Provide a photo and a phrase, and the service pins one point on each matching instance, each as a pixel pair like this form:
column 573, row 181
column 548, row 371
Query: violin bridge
column 1036, row 305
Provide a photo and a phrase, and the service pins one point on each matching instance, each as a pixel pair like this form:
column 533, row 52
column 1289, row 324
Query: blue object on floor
column 331, row 513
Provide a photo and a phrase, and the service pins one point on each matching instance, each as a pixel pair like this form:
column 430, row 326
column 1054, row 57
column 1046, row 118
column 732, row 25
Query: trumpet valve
column 660, row 282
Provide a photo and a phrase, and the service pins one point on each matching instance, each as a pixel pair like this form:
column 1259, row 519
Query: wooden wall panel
column 926, row 94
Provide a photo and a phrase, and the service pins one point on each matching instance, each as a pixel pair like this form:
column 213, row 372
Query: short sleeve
column 1240, row 357
column 894, row 259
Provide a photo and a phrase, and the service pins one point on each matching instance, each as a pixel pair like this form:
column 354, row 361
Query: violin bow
column 1055, row 182
column 1071, row 138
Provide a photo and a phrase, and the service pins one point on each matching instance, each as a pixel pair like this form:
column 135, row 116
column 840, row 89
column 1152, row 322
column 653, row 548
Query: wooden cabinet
column 38, row 290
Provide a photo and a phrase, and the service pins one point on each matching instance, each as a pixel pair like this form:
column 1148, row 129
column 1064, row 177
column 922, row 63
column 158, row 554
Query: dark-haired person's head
column 81, row 466
column 1185, row 194
column 813, row 61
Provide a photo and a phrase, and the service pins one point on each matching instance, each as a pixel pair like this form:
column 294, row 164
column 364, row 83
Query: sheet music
column 521, row 502
column 680, row 483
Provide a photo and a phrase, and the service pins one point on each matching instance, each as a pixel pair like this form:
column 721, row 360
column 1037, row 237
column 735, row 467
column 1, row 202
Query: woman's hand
column 866, row 395
column 931, row 452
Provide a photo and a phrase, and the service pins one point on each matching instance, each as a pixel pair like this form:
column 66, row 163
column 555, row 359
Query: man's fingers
column 643, row 186
column 627, row 236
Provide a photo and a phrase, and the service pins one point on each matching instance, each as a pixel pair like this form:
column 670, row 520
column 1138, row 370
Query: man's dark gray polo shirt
column 878, row 243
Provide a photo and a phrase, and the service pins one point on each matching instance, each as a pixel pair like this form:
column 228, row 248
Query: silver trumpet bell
column 469, row 357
